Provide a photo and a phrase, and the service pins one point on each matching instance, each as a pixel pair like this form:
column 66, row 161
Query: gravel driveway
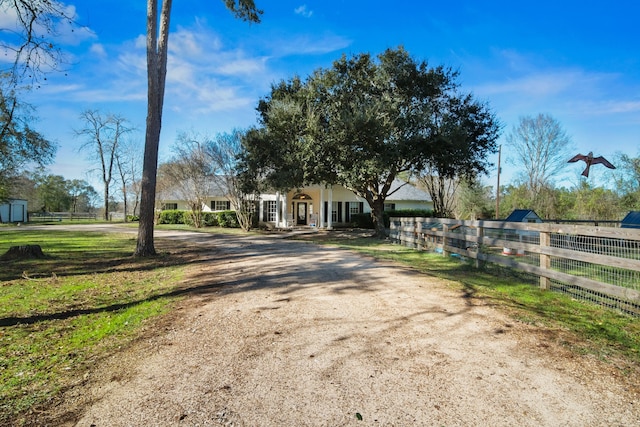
column 285, row 333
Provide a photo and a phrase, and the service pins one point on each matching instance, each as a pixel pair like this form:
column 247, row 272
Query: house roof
column 215, row 187
column 407, row 192
column 631, row 220
column 519, row 215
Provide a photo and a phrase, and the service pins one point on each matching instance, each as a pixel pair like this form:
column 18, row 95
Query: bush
column 172, row 216
column 228, row 219
column 210, row 219
column 365, row 220
column 415, row 213
column 133, row 218
column 406, row 213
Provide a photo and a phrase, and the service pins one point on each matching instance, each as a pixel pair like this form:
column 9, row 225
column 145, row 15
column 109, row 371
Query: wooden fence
column 59, row 216
column 600, row 264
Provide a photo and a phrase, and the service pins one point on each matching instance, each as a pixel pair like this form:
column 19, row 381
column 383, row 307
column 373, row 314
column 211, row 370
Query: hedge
column 225, row 219
column 172, row 216
column 365, row 220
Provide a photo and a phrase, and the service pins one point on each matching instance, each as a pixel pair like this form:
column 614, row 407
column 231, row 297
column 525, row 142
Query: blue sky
column 578, row 61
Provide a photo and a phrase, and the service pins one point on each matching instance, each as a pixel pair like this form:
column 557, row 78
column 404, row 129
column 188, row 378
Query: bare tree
column 128, row 159
column 102, row 138
column 31, row 40
column 223, row 151
column 191, row 173
column 540, row 147
column 443, row 192
column 157, row 47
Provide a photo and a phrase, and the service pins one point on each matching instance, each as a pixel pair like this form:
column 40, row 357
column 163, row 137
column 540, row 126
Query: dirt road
column 284, row 333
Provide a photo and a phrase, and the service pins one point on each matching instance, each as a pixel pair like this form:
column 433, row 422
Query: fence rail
column 599, row 264
column 59, row 216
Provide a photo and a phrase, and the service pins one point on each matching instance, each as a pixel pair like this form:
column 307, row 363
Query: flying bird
column 590, row 160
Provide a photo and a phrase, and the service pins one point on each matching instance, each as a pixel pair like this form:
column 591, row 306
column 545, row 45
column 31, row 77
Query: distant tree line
column 53, row 193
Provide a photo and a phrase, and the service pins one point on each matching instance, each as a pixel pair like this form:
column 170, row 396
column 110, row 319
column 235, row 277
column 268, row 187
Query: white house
column 309, row 206
column 14, row 210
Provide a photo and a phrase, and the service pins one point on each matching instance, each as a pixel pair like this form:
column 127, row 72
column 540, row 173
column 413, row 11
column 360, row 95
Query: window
column 335, row 212
column 169, row 206
column 220, row 205
column 271, row 209
column 353, row 208
column 389, row 206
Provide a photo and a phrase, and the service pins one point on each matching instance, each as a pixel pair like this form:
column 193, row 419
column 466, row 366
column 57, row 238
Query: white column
column 285, row 203
column 277, row 209
column 321, row 209
column 330, row 210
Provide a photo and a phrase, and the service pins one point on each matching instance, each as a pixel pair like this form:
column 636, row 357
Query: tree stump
column 23, row 252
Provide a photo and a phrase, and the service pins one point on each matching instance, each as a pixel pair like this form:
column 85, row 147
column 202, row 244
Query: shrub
column 363, row 220
column 187, row 218
column 415, row 213
column 210, row 219
column 228, row 219
column 172, row 216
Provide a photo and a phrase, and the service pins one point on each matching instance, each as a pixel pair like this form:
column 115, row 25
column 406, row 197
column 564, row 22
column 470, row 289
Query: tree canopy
column 20, row 144
column 365, row 121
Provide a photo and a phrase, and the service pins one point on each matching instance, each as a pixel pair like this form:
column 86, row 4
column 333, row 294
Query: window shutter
column 361, row 207
column 347, row 214
column 228, row 205
column 339, row 211
column 265, row 211
column 325, row 216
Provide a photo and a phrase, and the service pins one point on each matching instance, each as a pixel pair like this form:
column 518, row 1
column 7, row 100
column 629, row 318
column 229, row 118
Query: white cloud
column 303, row 11
column 98, row 50
column 310, row 45
column 533, row 85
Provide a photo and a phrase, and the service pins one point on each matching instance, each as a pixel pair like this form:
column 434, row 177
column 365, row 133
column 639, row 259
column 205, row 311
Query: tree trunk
column 124, row 194
column 156, row 74
column 106, row 201
column 23, row 252
column 378, row 219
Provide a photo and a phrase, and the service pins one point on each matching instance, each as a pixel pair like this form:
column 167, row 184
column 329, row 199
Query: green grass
column 61, row 314
column 585, row 327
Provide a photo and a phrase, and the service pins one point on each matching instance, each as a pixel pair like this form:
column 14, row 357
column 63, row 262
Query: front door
column 301, row 217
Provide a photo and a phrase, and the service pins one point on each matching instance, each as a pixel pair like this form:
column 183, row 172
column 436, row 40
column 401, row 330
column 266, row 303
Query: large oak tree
column 365, row 121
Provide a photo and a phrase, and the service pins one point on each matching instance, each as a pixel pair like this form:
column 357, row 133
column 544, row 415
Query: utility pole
column 498, row 185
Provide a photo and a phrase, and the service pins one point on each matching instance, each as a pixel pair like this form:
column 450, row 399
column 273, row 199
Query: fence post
column 479, row 237
column 545, row 260
column 445, row 230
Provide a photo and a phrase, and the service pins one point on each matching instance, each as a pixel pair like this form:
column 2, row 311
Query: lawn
column 61, row 314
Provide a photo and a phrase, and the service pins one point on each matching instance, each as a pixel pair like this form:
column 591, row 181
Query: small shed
column 632, row 220
column 13, row 210
column 521, row 215
column 524, row 215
